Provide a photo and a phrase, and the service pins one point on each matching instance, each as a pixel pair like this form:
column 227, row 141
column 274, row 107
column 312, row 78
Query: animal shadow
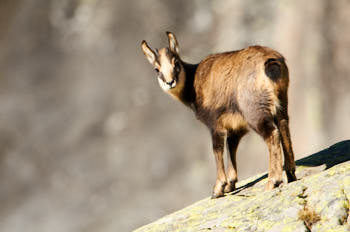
column 331, row 156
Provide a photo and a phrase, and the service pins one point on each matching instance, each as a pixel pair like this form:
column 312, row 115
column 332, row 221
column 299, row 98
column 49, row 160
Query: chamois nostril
column 171, row 83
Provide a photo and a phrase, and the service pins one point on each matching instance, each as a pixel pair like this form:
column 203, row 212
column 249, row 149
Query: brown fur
column 231, row 92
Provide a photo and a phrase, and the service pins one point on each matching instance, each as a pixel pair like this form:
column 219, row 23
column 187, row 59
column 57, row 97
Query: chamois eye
column 157, row 70
column 177, row 66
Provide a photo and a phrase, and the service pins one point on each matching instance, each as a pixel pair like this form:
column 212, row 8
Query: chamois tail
column 274, row 68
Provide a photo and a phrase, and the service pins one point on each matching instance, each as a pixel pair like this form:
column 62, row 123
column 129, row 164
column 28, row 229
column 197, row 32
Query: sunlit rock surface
column 321, row 193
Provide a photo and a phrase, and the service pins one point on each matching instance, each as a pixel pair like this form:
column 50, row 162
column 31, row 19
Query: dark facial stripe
column 161, row 76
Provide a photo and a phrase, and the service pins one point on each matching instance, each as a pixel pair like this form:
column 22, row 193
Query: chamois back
column 242, row 82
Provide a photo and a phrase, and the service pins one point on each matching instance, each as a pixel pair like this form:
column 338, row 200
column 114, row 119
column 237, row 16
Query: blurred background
column 89, row 142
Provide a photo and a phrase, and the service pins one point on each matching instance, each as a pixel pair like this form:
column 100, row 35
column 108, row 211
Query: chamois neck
column 188, row 94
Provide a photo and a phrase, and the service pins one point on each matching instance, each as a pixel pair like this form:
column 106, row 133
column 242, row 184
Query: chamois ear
column 149, row 53
column 173, row 45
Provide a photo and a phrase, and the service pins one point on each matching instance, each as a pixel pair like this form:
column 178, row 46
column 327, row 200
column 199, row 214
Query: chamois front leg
column 218, row 149
column 232, row 145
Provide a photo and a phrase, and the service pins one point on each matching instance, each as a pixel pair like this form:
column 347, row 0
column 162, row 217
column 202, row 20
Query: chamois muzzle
column 172, row 84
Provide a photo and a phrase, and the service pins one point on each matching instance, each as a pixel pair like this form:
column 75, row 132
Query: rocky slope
column 318, row 201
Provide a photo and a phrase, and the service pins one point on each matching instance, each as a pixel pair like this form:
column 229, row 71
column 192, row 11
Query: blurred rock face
column 88, row 140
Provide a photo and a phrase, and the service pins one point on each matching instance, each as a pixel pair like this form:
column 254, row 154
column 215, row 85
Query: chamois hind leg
column 232, row 144
column 289, row 163
column 265, row 126
column 218, row 148
column 273, row 142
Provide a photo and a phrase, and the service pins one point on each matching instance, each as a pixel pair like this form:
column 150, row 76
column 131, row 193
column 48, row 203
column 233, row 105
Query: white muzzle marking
column 173, row 84
column 164, row 85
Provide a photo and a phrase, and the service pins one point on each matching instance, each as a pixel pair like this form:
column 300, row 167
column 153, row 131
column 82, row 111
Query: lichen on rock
column 319, row 200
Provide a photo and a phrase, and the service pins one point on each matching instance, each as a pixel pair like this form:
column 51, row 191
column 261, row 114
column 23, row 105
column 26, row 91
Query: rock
column 318, row 201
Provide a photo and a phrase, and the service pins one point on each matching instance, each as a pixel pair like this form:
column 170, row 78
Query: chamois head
column 168, row 65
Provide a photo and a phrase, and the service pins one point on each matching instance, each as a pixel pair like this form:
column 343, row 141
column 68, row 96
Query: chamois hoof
column 218, row 190
column 231, row 186
column 273, row 184
column 291, row 176
column 217, row 195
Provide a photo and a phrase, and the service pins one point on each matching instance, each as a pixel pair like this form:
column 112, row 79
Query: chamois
column 231, row 92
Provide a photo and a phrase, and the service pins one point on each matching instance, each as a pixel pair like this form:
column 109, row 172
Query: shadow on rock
column 329, row 157
column 335, row 154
